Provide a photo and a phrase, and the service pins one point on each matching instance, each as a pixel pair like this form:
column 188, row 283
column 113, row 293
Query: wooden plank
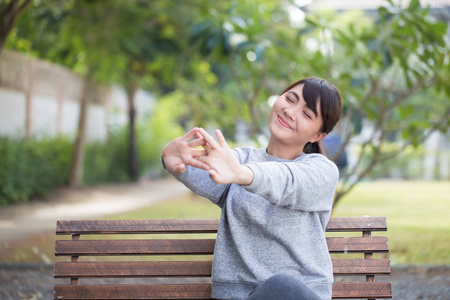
column 341, row 290
column 361, row 267
column 341, row 267
column 345, row 290
column 133, row 269
column 357, row 244
column 196, row 226
column 136, row 226
column 132, row 291
column 198, row 246
column 135, row 247
column 357, row 224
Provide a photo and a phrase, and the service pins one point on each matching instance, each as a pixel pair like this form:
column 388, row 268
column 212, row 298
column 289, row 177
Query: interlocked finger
column 190, row 134
column 198, row 152
column 193, row 161
column 196, row 142
column 209, row 139
column 221, row 138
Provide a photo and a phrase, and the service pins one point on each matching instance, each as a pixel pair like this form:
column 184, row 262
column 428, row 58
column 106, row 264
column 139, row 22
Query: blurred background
column 90, row 92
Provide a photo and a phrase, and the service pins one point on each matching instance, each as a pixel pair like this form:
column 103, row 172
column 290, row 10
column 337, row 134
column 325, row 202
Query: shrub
column 107, row 161
column 30, row 168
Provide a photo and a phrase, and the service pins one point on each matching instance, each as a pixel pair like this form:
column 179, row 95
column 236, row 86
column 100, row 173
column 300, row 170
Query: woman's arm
column 308, row 185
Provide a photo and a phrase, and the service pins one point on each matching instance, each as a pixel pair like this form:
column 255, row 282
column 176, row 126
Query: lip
column 283, row 122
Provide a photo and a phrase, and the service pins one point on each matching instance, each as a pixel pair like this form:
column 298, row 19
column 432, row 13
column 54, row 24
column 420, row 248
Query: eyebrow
column 295, row 95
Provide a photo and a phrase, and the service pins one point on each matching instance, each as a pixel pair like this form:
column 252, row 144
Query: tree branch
column 23, row 6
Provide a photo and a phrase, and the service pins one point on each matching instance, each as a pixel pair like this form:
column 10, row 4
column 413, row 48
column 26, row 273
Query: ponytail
column 315, row 147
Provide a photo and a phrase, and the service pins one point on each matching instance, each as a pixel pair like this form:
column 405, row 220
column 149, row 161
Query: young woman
column 276, row 201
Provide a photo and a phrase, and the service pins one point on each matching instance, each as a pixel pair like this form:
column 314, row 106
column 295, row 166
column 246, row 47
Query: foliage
column 10, row 10
column 226, row 58
column 158, row 129
column 31, row 168
column 385, row 68
column 409, row 165
column 105, row 162
column 37, row 30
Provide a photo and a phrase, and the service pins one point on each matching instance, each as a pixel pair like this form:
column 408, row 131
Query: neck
column 283, row 151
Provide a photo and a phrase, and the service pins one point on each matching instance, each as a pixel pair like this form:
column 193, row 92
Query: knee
column 283, row 280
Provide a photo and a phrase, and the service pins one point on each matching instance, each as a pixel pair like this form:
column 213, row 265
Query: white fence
column 38, row 98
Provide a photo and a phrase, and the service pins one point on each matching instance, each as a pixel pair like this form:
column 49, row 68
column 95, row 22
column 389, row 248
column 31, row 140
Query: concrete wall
column 38, row 98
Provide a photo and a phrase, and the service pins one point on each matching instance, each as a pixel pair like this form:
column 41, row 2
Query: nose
column 289, row 113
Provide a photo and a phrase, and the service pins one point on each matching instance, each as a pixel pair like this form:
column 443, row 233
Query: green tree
column 150, row 53
column 237, row 39
column 393, row 73
column 383, row 67
column 10, row 10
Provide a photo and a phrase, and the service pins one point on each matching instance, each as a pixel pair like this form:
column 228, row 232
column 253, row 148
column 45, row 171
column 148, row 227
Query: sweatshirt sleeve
column 198, row 181
column 307, row 185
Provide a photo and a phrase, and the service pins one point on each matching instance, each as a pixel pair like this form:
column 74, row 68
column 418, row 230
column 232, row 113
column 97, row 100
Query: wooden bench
column 190, row 279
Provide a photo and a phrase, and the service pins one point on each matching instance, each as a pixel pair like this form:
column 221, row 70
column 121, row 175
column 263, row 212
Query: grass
column 417, row 215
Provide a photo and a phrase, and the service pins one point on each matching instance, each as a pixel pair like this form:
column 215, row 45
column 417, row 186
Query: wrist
column 244, row 176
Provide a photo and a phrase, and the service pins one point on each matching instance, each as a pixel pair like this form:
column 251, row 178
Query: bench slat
column 201, row 291
column 345, row 290
column 357, row 224
column 133, row 269
column 341, row 267
column 198, row 246
column 376, row 244
column 344, row 267
column 136, row 226
column 135, row 247
column 196, row 226
column 133, row 291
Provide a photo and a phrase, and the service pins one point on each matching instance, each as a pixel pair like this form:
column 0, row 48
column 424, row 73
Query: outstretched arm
column 180, row 152
column 224, row 166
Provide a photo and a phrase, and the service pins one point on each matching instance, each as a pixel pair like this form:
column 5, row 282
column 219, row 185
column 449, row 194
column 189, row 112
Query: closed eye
column 307, row 115
column 289, row 100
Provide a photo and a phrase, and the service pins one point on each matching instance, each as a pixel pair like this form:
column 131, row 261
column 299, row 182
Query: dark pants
column 283, row 287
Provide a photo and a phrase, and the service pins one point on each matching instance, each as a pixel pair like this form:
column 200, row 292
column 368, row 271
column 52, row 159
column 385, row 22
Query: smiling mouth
column 283, row 122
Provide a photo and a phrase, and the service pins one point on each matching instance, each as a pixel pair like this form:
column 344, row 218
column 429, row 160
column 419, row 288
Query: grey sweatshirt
column 274, row 225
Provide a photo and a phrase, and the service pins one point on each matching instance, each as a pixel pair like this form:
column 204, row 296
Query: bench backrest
column 168, row 274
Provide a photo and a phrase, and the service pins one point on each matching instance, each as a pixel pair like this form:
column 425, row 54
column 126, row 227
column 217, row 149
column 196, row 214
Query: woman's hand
column 180, row 152
column 224, row 166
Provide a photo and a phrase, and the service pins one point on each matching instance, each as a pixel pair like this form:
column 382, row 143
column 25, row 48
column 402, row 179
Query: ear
column 318, row 137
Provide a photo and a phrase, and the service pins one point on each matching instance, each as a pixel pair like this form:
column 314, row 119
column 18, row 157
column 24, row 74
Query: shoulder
column 319, row 161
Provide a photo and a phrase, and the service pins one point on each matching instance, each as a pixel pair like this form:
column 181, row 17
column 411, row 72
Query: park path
column 25, row 219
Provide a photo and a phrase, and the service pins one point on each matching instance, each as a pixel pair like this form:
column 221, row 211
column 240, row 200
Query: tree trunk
column 9, row 17
column 76, row 171
column 132, row 149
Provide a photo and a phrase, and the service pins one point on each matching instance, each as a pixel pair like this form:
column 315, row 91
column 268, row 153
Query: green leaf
column 406, row 111
column 413, row 5
column 357, row 82
column 200, row 32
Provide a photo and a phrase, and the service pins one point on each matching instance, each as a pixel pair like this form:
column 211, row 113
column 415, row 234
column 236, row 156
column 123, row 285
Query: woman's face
column 292, row 123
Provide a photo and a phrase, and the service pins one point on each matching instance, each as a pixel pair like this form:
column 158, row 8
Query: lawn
column 417, row 214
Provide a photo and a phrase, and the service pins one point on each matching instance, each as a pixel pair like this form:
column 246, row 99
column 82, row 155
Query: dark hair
column 314, row 89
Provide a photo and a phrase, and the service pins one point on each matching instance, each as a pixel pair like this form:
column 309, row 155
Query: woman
column 275, row 201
